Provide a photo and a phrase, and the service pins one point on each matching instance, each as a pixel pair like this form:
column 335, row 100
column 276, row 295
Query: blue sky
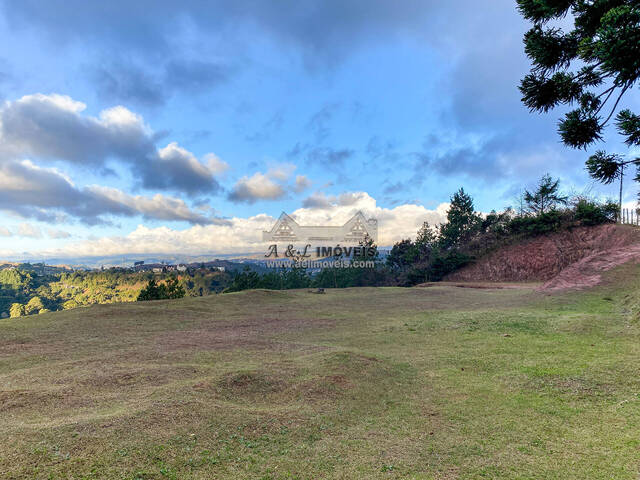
column 151, row 126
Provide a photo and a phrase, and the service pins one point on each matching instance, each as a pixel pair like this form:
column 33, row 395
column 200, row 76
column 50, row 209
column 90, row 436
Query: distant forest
column 24, row 291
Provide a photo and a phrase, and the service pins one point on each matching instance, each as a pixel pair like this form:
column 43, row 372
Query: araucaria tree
column 589, row 68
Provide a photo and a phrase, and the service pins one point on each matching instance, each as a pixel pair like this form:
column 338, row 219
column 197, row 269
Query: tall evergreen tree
column 462, row 221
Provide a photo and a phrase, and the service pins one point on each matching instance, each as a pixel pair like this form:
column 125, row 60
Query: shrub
column 592, row 213
column 538, row 224
column 444, row 264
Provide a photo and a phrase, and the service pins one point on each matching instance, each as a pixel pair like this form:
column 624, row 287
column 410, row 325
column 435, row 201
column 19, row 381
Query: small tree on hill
column 17, row 310
column 34, row 306
column 150, row 292
column 546, row 197
column 171, row 289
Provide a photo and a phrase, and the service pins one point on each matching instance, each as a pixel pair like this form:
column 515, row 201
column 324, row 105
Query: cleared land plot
column 430, row 383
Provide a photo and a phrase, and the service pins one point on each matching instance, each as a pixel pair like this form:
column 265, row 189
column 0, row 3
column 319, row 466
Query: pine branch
column 624, row 89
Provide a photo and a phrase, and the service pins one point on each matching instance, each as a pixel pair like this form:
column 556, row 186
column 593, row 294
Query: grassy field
column 424, row 383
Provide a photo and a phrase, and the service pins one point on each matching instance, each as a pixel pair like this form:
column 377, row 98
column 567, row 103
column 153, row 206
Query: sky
column 188, row 127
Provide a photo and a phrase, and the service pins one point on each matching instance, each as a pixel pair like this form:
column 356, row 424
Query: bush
column 592, row 213
column 539, row 224
column 443, row 264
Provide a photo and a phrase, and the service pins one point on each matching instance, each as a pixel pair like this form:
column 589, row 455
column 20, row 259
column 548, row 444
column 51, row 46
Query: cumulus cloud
column 244, row 235
column 215, row 164
column 157, row 206
column 273, row 185
column 5, row 232
column 178, row 169
column 46, row 194
column 53, row 127
column 257, row 187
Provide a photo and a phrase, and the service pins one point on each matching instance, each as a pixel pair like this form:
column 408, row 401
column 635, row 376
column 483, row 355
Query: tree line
column 22, row 292
column 439, row 250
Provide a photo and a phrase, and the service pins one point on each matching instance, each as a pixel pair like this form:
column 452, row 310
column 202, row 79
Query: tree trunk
column 620, row 199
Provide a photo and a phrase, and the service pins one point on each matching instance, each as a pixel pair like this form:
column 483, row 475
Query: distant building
column 181, row 268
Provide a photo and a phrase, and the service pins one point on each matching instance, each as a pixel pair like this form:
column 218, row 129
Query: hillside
column 571, row 258
column 435, row 383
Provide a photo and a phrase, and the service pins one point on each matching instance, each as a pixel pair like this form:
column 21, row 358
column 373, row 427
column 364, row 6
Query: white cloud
column 215, row 164
column 257, row 187
column 46, row 194
column 5, row 232
column 158, row 206
column 53, row 127
column 272, row 185
column 243, row 235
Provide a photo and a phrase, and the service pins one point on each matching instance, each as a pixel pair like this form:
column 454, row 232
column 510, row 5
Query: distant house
column 181, row 268
column 221, row 269
column 158, row 269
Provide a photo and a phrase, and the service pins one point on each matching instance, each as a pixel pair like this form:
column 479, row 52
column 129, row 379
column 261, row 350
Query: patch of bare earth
column 570, row 259
column 587, row 272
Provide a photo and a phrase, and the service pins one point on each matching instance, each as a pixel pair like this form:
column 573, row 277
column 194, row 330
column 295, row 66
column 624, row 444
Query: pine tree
column 462, row 221
column 546, row 197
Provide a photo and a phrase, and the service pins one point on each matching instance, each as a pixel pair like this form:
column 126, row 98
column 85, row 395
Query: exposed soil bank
column 570, row 259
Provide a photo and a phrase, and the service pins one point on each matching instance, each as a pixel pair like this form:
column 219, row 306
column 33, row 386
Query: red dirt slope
column 569, row 259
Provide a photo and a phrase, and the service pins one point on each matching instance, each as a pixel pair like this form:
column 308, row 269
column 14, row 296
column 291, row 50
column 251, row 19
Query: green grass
column 423, row 383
